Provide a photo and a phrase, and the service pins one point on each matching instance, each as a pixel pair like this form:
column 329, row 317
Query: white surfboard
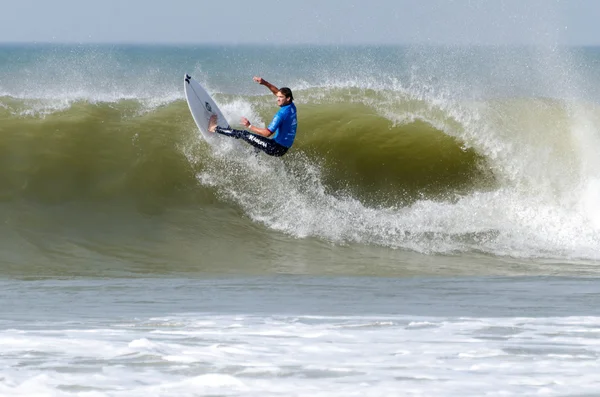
column 202, row 107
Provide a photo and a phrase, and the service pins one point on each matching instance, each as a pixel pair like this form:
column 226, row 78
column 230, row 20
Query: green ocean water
column 434, row 229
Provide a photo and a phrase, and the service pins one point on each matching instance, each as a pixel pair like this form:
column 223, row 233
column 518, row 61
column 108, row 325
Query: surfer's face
column 282, row 100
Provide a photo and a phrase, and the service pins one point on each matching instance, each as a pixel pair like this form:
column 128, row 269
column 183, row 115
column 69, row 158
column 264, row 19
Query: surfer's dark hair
column 287, row 92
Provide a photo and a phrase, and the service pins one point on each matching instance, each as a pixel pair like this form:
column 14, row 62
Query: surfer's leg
column 229, row 132
column 265, row 144
column 260, row 142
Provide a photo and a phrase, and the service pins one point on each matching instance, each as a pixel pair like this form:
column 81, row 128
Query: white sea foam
column 293, row 199
column 288, row 355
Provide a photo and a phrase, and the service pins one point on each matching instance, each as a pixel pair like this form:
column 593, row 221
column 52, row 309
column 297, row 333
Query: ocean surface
column 434, row 231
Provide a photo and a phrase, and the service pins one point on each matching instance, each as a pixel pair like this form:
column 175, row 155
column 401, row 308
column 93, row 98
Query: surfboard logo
column 208, row 107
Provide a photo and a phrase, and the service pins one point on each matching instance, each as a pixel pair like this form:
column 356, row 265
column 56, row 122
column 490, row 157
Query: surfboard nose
column 187, row 78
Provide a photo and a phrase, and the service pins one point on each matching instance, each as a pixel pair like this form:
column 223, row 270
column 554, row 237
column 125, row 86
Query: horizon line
column 281, row 44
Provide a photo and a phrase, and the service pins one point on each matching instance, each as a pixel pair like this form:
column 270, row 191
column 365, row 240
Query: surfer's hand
column 259, row 80
column 212, row 123
column 245, row 122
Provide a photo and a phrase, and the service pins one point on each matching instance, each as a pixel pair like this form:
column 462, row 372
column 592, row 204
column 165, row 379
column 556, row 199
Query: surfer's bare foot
column 212, row 123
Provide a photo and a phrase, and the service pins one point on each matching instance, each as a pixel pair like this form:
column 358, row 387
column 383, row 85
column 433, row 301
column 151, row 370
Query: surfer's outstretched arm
column 257, row 130
column 264, row 82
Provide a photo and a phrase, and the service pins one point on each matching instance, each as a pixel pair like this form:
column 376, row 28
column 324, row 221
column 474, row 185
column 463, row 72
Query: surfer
column 278, row 137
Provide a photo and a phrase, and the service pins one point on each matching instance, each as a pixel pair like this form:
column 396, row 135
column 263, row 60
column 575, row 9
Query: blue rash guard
column 284, row 125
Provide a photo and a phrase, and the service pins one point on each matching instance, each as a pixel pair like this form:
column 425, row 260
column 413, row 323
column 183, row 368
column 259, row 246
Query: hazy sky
column 549, row 22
